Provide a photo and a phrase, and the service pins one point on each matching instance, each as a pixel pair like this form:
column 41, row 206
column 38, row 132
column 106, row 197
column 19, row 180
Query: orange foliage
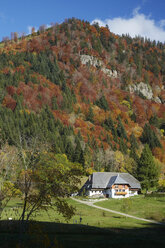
column 93, row 30
column 20, row 68
column 58, row 114
column 99, row 115
column 159, row 154
column 9, row 102
column 6, row 70
column 105, row 31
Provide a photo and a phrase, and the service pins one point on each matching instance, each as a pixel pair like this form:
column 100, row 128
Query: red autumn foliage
column 9, row 102
column 11, row 90
column 62, row 116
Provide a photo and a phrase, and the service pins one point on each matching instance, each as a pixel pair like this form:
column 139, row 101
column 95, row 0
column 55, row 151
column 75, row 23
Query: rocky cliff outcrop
column 90, row 60
column 143, row 90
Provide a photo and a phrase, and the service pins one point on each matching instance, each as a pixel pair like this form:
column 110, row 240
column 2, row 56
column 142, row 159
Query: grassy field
column 140, row 206
column 98, row 229
column 90, row 216
column 150, row 207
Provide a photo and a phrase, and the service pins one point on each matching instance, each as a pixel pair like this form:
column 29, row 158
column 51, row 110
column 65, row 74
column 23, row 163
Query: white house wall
column 95, row 193
column 119, row 196
column 111, row 193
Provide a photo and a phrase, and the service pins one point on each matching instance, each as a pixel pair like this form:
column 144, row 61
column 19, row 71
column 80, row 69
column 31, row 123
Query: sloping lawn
column 98, row 229
column 89, row 216
column 149, row 207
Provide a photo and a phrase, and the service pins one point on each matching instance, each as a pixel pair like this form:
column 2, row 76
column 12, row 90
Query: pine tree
column 147, row 171
column 149, row 137
column 133, row 141
column 122, row 146
column 78, row 155
column 90, row 114
column 108, row 139
column 121, row 130
column 54, row 103
column 134, row 155
column 79, row 135
column 109, row 124
column 154, row 120
column 102, row 103
column 69, row 150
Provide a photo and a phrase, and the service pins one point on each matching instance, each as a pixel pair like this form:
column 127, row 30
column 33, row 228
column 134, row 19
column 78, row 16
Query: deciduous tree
column 44, row 176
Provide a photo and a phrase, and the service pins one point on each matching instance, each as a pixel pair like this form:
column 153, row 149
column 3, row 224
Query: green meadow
column 149, row 207
column 89, row 227
column 88, row 216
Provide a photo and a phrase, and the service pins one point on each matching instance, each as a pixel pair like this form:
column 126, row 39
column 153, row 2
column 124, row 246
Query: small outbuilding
column 111, row 185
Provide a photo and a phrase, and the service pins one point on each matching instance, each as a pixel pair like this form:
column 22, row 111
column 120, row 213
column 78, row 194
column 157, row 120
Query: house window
column 123, row 190
column 116, row 186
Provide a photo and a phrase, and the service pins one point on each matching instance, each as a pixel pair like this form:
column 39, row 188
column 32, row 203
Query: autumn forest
column 85, row 92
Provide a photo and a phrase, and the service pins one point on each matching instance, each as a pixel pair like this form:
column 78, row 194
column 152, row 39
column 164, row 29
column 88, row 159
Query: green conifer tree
column 121, row 130
column 147, row 170
column 102, row 103
column 90, row 114
column 122, row 146
column 133, row 141
column 149, row 137
column 78, row 155
column 54, row 103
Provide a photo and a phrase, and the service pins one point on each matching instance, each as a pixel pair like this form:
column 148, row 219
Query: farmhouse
column 111, row 185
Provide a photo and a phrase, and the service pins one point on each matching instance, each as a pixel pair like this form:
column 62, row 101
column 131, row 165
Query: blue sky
column 136, row 17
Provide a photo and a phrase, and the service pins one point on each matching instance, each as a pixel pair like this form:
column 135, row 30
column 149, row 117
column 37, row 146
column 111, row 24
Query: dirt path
column 91, row 204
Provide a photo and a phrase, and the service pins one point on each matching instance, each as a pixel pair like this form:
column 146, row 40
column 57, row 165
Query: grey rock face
column 157, row 99
column 143, row 89
column 87, row 59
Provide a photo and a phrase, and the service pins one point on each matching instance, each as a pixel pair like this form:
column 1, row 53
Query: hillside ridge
column 93, row 95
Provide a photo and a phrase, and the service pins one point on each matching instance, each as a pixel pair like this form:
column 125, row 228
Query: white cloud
column 162, row 23
column 138, row 24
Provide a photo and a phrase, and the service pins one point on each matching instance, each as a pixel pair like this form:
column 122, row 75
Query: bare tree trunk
column 22, row 218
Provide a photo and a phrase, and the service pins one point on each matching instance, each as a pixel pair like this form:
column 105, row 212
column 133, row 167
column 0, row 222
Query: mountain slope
column 89, row 93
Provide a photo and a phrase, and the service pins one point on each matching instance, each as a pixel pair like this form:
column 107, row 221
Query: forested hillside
column 85, row 92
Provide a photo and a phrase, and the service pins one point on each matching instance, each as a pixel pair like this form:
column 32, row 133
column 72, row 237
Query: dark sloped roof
column 133, row 182
column 107, row 179
column 120, row 180
column 101, row 179
column 111, row 181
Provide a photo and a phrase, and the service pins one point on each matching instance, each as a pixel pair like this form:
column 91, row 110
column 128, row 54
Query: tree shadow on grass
column 48, row 234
